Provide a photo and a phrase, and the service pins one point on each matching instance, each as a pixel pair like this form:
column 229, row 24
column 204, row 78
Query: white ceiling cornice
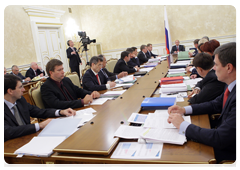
column 43, row 12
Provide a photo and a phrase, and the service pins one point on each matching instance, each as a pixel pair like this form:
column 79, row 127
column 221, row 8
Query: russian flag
column 167, row 33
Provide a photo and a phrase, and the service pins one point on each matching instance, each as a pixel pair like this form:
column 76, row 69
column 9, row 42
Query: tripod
column 84, row 49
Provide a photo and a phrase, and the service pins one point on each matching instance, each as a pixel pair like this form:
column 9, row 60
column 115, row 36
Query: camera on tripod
column 85, row 39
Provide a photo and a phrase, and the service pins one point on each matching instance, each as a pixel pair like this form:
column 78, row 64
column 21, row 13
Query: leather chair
column 111, row 64
column 74, row 78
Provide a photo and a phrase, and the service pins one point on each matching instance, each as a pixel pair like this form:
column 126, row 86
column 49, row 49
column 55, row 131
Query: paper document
column 173, row 88
column 146, row 69
column 177, row 70
column 165, row 135
column 179, row 98
column 120, row 92
column 129, row 78
column 60, row 127
column 134, row 150
column 128, row 132
column 137, row 118
column 99, row 101
column 142, row 141
column 192, row 82
column 40, row 146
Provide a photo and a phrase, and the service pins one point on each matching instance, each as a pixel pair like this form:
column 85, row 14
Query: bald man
column 34, row 71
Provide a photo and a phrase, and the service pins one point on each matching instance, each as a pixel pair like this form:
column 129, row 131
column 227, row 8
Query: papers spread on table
column 179, row 96
column 135, row 150
column 99, row 101
column 146, row 69
column 40, row 146
column 192, row 82
column 128, row 132
column 137, row 118
column 126, row 79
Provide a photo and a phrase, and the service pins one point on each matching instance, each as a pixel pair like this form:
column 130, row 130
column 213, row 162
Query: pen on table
column 172, row 93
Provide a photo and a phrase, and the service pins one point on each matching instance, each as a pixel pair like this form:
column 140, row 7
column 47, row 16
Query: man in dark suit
column 122, row 65
column 176, row 48
column 15, row 71
column 223, row 137
column 195, row 43
column 17, row 111
column 94, row 79
column 133, row 62
column 74, row 59
column 149, row 52
column 59, row 91
column 135, row 58
column 209, row 88
column 142, row 54
column 34, row 71
column 110, row 76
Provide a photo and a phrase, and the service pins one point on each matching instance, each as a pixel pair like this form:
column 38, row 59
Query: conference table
column 94, row 142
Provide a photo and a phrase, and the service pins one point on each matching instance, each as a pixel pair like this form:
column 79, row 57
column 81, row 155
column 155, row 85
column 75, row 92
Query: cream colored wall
column 126, row 26
column 119, row 26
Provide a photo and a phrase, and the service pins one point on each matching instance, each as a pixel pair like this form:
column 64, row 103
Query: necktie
column 66, row 93
column 177, row 48
column 226, row 94
column 98, row 79
column 36, row 73
column 17, row 116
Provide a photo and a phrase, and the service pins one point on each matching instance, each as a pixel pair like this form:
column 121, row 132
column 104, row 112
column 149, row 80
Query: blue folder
column 157, row 103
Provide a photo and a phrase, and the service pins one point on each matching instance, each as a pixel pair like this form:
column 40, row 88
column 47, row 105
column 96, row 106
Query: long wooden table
column 94, row 143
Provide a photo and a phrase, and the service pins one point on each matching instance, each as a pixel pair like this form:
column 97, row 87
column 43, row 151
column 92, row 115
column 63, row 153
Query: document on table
column 134, row 150
column 137, row 118
column 60, row 127
column 99, row 101
column 192, row 81
column 164, row 135
column 113, row 93
column 179, row 70
column 123, row 84
column 146, row 69
column 173, row 88
column 128, row 132
column 159, row 120
column 40, row 146
column 179, row 96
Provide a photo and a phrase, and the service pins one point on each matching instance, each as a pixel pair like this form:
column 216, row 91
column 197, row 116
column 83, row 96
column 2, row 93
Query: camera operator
column 74, row 59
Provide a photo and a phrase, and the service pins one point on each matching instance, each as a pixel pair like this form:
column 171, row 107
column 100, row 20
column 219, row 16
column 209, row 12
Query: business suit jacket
column 90, row 81
column 30, row 73
column 74, row 60
column 174, row 48
column 12, row 128
column 110, row 76
column 142, row 58
column 19, row 75
column 223, row 138
column 53, row 97
column 133, row 62
column 210, row 88
column 149, row 54
column 122, row 66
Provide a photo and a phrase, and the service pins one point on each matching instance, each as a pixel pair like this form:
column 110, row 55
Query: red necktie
column 226, row 94
column 98, row 79
column 177, row 48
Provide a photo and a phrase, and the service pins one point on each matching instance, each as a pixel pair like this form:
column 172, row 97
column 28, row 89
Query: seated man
column 149, row 52
column 17, row 111
column 195, row 43
column 34, row 71
column 223, row 137
column 209, row 88
column 59, row 91
column 122, row 65
column 15, row 71
column 94, row 79
column 135, row 58
column 131, row 62
column 142, row 54
column 176, row 48
column 110, row 76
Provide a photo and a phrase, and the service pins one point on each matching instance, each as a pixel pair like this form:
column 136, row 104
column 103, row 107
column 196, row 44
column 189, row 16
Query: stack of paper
column 192, row 82
column 126, row 79
column 128, row 132
column 176, row 74
column 164, row 135
column 152, row 60
column 171, row 80
column 113, row 93
column 178, row 65
column 183, row 55
column 173, row 88
column 134, row 150
column 177, row 70
column 137, row 118
column 146, row 69
column 151, row 64
column 40, row 146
